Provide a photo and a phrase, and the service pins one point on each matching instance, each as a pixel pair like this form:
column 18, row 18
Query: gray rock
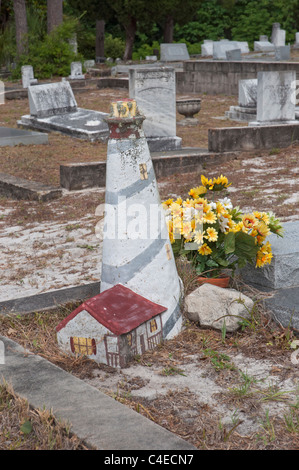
column 211, row 306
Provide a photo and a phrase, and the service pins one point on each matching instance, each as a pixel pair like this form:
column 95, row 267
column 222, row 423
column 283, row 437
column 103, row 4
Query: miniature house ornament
column 112, row 327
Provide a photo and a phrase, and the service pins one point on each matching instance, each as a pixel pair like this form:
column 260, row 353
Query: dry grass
column 25, row 428
column 179, row 411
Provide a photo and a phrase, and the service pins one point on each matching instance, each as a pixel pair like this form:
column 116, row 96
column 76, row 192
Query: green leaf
column 245, row 245
column 229, row 242
column 26, row 427
column 222, row 262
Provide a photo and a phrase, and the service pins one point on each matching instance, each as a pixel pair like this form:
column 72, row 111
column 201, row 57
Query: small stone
column 212, row 305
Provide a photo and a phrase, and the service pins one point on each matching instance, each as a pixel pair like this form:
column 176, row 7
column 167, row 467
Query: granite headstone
column 27, row 76
column 276, row 97
column 154, row 89
column 173, row 52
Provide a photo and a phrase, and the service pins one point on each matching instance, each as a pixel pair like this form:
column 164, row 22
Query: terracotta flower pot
column 216, row 281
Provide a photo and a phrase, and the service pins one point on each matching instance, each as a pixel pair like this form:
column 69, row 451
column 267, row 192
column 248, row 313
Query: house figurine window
column 129, row 338
column 85, row 346
column 153, row 326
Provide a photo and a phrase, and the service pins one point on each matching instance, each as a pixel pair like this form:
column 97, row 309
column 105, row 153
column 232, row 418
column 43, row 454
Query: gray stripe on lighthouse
column 171, row 321
column 113, row 197
column 124, row 273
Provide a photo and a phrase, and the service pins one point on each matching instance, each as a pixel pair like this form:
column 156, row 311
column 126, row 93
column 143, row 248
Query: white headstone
column 173, row 52
column 27, row 76
column 234, row 54
column 76, row 71
column 243, row 45
column 279, row 38
column 263, row 46
column 154, row 89
column 220, row 48
column 88, row 64
column 207, row 48
column 51, row 99
column 276, row 96
column 283, row 52
column 297, row 38
column 248, row 93
column 74, row 44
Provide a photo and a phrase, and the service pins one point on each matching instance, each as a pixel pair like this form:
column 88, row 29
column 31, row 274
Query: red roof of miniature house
column 119, row 309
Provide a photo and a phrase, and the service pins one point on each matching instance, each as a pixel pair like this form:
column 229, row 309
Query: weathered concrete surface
column 49, row 300
column 19, row 188
column 10, row 137
column 284, row 307
column 82, row 124
column 76, row 176
column 221, row 76
column 94, row 417
column 234, row 139
column 283, row 271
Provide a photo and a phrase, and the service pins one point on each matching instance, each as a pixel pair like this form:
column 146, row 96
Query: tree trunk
column 54, row 14
column 168, row 29
column 130, row 29
column 100, row 39
column 21, row 26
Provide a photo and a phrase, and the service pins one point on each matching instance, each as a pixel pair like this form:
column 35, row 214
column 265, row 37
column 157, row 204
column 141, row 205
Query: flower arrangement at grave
column 214, row 235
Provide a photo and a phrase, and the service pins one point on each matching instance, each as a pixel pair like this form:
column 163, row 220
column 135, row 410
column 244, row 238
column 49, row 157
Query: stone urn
column 188, row 107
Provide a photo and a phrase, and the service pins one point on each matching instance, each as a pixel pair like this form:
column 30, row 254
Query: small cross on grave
column 143, row 171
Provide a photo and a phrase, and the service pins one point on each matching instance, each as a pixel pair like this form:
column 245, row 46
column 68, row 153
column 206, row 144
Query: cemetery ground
column 213, row 389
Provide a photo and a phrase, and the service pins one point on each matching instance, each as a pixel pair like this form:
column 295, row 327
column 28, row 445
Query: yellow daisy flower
column 249, row 221
column 196, row 192
column 209, row 218
column 212, row 234
column 198, row 237
column 262, row 229
column 205, row 181
column 205, row 250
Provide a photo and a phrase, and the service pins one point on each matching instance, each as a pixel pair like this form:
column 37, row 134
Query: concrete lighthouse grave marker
column 139, row 302
column 135, row 235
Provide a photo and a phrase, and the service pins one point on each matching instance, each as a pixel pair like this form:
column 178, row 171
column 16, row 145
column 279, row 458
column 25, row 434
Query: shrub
column 114, row 46
column 51, row 55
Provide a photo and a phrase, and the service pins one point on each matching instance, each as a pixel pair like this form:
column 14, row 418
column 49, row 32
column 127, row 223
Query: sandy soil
column 234, row 393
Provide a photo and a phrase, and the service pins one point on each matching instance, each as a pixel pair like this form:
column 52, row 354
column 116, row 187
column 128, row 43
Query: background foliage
column 192, row 20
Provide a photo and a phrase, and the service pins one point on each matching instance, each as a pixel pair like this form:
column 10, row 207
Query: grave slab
column 263, row 46
column 99, row 420
column 82, row 124
column 49, row 300
column 11, row 137
column 19, row 188
column 53, row 107
column 283, row 272
column 283, row 305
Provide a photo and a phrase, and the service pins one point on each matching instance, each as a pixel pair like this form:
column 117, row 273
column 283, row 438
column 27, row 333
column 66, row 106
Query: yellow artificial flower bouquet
column 214, row 235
